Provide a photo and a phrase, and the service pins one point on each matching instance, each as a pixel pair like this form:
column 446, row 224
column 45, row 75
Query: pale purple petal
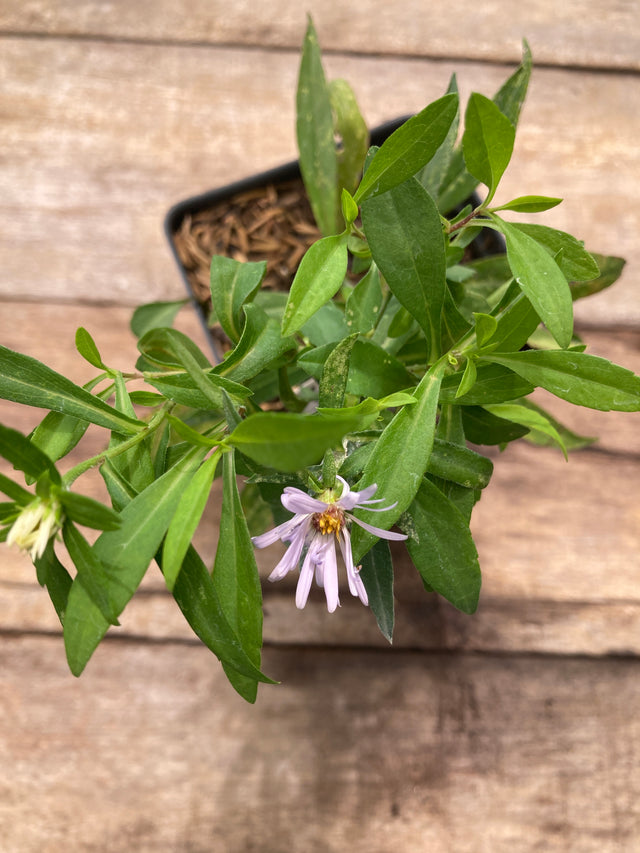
column 356, row 586
column 298, row 501
column 281, row 532
column 377, row 531
column 292, row 555
column 348, row 499
column 330, row 572
column 306, row 576
column 376, row 508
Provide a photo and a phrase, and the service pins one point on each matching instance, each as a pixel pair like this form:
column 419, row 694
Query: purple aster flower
column 318, row 524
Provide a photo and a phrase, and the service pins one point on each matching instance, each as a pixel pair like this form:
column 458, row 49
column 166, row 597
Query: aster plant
column 355, row 403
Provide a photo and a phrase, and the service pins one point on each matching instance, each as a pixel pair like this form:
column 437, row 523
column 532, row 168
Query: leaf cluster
column 394, row 359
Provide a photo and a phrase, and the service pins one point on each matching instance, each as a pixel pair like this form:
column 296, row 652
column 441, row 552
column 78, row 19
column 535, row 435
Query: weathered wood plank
column 103, row 137
column 582, row 33
column 151, row 751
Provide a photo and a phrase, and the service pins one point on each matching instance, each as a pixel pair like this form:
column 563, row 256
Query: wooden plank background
column 512, row 730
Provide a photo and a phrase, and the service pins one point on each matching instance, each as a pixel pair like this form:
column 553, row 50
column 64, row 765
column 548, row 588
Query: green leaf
column 232, row 284
column 571, row 440
column 373, row 372
column 25, row 380
column 610, row 270
column 182, row 389
column 434, row 173
column 195, row 593
column 442, row 549
column 542, row 281
column 57, row 580
column 531, row 418
column 458, row 464
column 486, row 327
column 186, row 519
column 405, row 235
column 88, row 512
column 573, row 259
column 487, row 143
column 92, row 576
column 126, row 552
column 23, row 455
column 468, row 379
column 377, row 575
column 351, row 129
column 260, row 347
column 169, row 348
column 362, row 308
column 88, row 350
column 401, row 457
column 493, row 384
column 481, row 427
column 333, row 383
column 187, row 433
column 409, row 148
column 14, row 491
column 529, row 204
column 516, row 323
column 236, row 580
column 155, row 315
column 318, row 278
column 579, row 378
column 314, row 128
column 459, row 184
column 288, row 441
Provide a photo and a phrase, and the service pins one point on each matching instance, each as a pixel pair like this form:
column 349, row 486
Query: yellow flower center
column 329, row 521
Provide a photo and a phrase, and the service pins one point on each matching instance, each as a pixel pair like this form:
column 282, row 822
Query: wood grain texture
column 581, row 32
column 361, row 751
column 103, row 137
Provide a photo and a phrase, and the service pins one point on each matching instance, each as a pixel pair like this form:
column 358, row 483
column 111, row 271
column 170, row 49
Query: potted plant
column 354, row 405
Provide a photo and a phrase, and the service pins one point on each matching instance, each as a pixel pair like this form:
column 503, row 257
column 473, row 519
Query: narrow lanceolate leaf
column 333, row 383
column 459, row 184
column 25, row 456
column 409, row 148
column 57, row 580
column 126, row 552
column 377, row 576
column 529, row 204
column 92, row 575
column 458, row 464
column 434, row 173
column 405, row 235
column 401, row 457
column 542, row 281
column 186, row 519
column 362, row 308
column 314, row 128
column 25, row 380
column 15, row 491
column 196, row 596
column 531, row 418
column 351, row 129
column 442, row 549
column 236, row 580
column 488, row 141
column 88, row 512
column 579, row 378
column 319, row 277
column 610, row 270
column 232, row 284
column 493, row 384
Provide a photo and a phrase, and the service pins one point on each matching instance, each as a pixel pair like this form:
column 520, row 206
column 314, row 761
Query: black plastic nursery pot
column 263, row 216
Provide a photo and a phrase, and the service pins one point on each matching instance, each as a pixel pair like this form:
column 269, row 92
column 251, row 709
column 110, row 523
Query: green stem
column 110, row 452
